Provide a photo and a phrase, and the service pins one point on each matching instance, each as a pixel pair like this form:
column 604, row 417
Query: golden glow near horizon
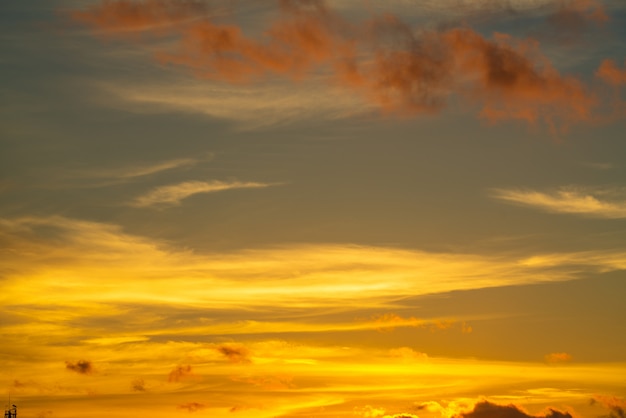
column 306, row 208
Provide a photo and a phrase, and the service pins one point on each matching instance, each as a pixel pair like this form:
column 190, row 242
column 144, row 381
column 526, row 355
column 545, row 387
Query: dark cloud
column 487, row 409
column 138, row 385
column 615, row 405
column 80, row 366
column 235, row 353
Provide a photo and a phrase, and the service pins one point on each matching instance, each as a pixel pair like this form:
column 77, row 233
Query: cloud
column 235, row 353
column 128, row 15
column 175, row 193
column 597, row 203
column 616, row 406
column 486, row 409
column 80, row 366
column 253, row 106
column 74, row 261
column 610, row 73
column 142, row 170
column 138, row 385
column 407, row 354
column 268, row 382
column 573, row 17
column 387, row 62
column 192, row 406
column 369, row 411
column 554, row 358
column 389, row 321
column 179, row 373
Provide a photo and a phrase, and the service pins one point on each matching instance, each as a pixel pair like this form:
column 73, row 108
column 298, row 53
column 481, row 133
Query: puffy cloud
column 369, row 411
column 80, row 366
column 616, row 406
column 138, row 385
column 553, row 358
column 598, row 203
column 486, row 409
column 611, row 73
column 175, row 193
column 179, row 373
column 384, row 59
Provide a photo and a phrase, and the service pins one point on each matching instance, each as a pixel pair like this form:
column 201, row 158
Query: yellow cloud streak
column 174, row 193
column 63, row 262
column 572, row 200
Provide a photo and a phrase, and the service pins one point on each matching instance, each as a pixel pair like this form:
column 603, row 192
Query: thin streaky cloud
column 597, row 203
column 145, row 170
column 175, row 193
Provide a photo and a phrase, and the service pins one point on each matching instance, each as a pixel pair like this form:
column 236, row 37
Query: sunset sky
column 307, row 208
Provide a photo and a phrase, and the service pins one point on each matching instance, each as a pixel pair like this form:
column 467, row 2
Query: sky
column 308, row 208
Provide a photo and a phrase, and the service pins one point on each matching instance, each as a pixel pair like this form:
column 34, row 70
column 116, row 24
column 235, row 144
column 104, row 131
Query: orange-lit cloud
column 554, row 358
column 179, row 373
column 80, row 366
column 129, row 15
column 383, row 59
column 389, row 321
column 611, row 73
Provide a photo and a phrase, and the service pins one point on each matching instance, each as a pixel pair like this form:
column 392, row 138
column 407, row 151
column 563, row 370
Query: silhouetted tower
column 10, row 412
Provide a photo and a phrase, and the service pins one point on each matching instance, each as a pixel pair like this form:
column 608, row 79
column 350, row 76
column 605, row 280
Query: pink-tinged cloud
column 487, row 409
column 610, row 73
column 383, row 59
column 192, row 406
column 555, row 358
column 179, row 373
column 81, row 367
column 127, row 15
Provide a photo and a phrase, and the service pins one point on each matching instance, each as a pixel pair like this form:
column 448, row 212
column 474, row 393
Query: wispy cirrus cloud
column 175, row 193
column 593, row 202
